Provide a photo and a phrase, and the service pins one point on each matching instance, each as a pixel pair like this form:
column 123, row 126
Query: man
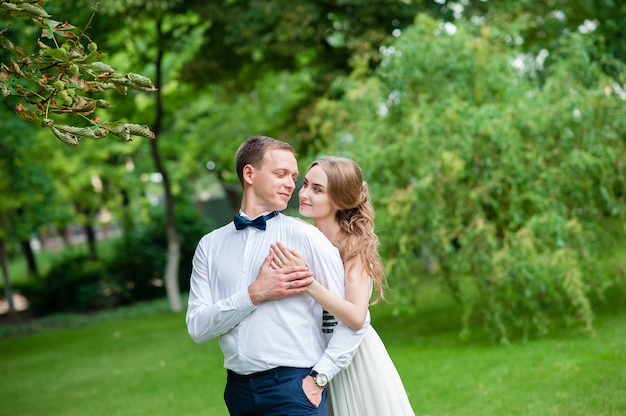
column 270, row 331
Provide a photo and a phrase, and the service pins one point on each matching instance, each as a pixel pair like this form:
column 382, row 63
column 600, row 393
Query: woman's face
column 314, row 199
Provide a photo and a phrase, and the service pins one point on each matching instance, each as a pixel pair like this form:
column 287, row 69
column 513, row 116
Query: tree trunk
column 29, row 255
column 233, row 196
column 64, row 233
column 8, row 291
column 88, row 229
column 90, row 235
column 173, row 246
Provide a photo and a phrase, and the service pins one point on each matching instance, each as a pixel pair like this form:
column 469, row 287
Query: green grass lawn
column 140, row 361
column 144, row 365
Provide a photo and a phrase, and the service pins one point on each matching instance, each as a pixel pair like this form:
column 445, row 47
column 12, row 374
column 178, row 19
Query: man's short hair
column 252, row 152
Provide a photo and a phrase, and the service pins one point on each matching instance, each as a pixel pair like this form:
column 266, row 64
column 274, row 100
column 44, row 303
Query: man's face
column 274, row 182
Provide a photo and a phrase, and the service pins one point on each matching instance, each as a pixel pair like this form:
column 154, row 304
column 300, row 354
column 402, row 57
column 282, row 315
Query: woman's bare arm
column 352, row 310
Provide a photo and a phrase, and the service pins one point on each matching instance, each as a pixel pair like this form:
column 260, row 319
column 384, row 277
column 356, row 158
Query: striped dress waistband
column 329, row 322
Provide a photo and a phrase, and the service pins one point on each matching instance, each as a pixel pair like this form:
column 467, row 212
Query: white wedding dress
column 371, row 385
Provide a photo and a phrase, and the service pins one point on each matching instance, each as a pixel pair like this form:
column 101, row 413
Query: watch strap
column 320, row 379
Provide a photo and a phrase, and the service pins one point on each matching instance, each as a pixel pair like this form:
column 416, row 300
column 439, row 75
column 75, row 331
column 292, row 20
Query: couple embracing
column 288, row 300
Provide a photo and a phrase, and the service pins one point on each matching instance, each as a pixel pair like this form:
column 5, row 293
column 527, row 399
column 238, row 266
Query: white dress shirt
column 285, row 332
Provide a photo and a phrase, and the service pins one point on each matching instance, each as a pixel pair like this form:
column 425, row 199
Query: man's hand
column 278, row 283
column 312, row 390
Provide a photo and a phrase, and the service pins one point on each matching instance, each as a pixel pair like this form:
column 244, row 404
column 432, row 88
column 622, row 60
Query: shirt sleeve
column 341, row 348
column 328, row 269
column 207, row 319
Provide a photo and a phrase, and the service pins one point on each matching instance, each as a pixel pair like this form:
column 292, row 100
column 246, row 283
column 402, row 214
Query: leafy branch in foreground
column 62, row 77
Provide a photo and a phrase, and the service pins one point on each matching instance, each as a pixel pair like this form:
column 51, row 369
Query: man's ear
column 248, row 173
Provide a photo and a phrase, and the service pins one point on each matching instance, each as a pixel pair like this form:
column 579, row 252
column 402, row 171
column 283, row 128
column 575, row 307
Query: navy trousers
column 275, row 392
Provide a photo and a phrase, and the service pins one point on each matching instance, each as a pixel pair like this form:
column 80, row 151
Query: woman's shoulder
column 302, row 232
column 296, row 220
column 299, row 225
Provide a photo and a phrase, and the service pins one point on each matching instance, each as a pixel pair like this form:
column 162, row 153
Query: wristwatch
column 320, row 379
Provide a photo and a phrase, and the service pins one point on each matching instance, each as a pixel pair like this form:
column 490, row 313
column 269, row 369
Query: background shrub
column 77, row 283
column 139, row 257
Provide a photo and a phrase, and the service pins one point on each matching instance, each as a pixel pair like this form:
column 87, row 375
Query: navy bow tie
column 258, row 222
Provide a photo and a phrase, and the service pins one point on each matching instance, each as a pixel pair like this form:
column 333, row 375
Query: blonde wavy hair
column 357, row 239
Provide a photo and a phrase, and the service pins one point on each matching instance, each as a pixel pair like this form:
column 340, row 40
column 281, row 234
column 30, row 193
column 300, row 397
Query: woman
column 335, row 196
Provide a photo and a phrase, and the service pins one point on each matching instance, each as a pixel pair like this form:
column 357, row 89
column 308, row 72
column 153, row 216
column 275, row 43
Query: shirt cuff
column 325, row 366
column 242, row 302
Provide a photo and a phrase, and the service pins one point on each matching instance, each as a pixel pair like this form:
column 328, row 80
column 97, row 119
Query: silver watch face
column 321, row 380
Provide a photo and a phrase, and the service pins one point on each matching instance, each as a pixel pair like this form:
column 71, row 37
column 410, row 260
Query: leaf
column 80, row 105
column 35, row 10
column 45, row 80
column 126, row 130
column 27, row 114
column 65, row 27
column 67, row 138
column 42, row 45
column 120, row 88
column 90, row 132
column 94, row 86
column 58, row 53
column 51, row 25
column 139, row 130
column 103, row 104
column 128, row 81
column 84, row 105
column 94, row 56
column 141, row 81
column 120, row 130
column 99, row 68
column 7, row 44
column 6, row 91
column 56, row 28
column 122, row 82
column 17, row 70
column 24, row 10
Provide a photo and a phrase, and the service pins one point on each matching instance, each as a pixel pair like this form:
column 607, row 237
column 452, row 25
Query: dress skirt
column 371, row 385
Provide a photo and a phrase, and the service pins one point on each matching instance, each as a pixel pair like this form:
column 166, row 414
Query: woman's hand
column 285, row 257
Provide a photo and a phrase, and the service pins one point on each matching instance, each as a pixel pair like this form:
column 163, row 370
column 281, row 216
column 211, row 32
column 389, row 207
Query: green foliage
column 74, row 284
column 248, row 38
column 475, row 165
column 211, row 133
column 500, row 185
column 131, row 270
column 24, row 184
column 61, row 77
column 138, row 260
column 541, row 24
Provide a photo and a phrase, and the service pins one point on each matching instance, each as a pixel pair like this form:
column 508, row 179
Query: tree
column 27, row 191
column 512, row 173
column 249, row 45
column 54, row 83
column 168, row 26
